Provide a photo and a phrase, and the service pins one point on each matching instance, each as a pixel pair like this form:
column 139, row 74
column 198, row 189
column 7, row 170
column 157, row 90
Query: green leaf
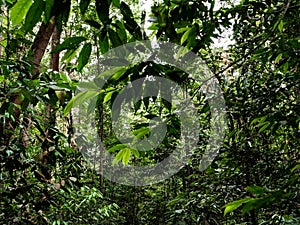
column 117, row 147
column 19, row 11
column 103, row 43
column 139, row 133
column 232, row 133
column 181, row 30
column 108, row 96
column 114, row 38
column 118, row 157
column 185, row 36
column 297, row 167
column 280, row 26
column 69, row 43
column 34, row 14
column 135, row 153
column 110, row 72
column 65, row 77
column 262, row 120
column 1, row 78
column 48, row 9
column 121, row 31
column 235, row 204
column 255, row 120
column 126, row 156
column 83, row 5
column 102, row 8
column 285, row 67
column 264, row 127
column 118, row 74
column 256, row 204
column 79, row 99
column 130, row 24
column 256, row 190
column 69, row 55
column 278, row 58
column 84, row 56
column 93, row 23
column 126, row 11
column 116, row 3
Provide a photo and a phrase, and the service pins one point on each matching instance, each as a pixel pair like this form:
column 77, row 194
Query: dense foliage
column 48, row 46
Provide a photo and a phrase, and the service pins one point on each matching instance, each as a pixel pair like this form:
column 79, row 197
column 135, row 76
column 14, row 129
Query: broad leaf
column 102, row 7
column 19, row 11
column 34, row 14
column 84, row 56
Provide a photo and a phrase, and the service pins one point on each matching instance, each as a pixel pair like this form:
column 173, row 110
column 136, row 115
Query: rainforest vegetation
column 48, row 48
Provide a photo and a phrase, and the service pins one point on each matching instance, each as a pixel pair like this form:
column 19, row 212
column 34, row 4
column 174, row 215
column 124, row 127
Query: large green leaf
column 84, row 56
column 102, row 7
column 34, row 14
column 130, row 24
column 19, row 11
column 69, row 43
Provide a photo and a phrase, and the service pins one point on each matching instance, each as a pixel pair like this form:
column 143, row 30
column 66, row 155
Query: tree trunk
column 54, row 60
column 41, row 42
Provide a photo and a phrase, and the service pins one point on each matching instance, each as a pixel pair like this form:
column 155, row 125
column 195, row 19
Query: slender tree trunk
column 54, row 60
column 41, row 42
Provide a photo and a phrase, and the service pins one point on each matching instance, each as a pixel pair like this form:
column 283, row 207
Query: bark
column 41, row 42
column 54, row 60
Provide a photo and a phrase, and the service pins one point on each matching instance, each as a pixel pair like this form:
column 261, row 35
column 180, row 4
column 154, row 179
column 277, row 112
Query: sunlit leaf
column 126, row 156
column 234, row 205
column 19, row 11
